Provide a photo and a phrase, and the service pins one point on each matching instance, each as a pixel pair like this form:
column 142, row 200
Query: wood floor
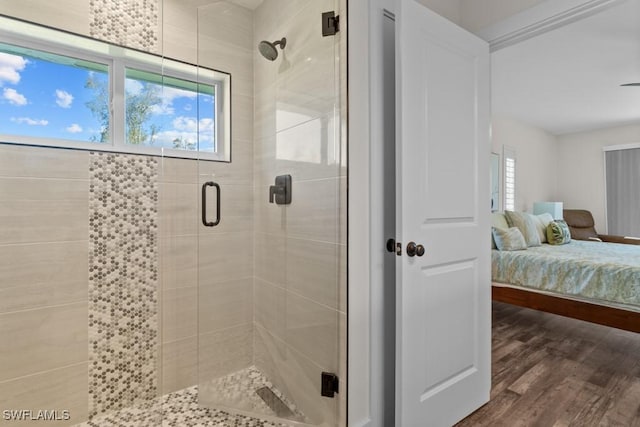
column 550, row 370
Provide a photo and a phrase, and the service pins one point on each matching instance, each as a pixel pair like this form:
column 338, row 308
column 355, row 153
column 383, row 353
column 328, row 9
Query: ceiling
column 568, row 80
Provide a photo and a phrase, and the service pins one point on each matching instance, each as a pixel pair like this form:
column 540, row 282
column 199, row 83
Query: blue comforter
column 603, row 271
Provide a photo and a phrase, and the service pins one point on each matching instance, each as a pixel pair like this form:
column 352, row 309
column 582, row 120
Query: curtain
column 623, row 192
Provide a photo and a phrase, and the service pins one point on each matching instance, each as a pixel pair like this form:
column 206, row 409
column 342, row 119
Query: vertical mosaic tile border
column 123, row 281
column 130, row 23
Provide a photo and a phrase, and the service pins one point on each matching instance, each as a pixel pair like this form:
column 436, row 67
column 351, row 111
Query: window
column 509, row 156
column 622, row 176
column 45, row 95
column 82, row 93
column 495, row 182
column 159, row 111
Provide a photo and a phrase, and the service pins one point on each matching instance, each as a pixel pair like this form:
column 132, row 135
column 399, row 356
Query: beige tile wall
column 43, row 280
column 69, row 15
column 44, row 218
column 300, row 249
column 59, row 389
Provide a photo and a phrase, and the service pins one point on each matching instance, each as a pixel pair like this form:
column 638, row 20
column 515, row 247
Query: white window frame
column 118, row 59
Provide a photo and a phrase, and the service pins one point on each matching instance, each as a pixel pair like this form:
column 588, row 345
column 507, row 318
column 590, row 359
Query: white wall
column 536, row 167
column 581, row 168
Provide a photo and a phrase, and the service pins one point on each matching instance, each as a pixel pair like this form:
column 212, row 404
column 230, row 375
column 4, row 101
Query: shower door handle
column 204, row 204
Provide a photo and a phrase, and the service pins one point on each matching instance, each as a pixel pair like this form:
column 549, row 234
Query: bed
column 593, row 281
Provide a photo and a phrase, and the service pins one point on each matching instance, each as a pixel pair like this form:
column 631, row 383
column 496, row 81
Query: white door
column 443, row 203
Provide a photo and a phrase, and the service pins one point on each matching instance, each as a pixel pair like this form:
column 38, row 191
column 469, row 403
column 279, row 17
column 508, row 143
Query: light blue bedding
column 602, row 271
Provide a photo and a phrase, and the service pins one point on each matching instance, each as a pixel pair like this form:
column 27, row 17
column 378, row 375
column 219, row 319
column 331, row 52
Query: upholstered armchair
column 582, row 227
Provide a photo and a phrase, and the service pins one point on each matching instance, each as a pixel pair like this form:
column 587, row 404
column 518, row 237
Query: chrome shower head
column 268, row 49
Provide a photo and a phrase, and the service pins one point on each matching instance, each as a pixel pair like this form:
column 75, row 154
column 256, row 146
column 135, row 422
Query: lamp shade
column 553, row 208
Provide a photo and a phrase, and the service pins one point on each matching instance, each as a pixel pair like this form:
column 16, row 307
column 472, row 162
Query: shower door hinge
column 330, row 24
column 330, row 384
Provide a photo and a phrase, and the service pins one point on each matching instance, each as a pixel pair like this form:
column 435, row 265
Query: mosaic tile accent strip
column 130, row 23
column 123, row 281
column 178, row 409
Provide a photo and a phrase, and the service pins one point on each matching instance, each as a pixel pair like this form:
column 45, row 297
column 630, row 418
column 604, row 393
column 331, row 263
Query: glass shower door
column 225, row 248
column 272, row 277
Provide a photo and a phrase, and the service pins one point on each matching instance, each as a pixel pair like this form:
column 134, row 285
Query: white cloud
column 14, row 97
column 10, row 65
column 29, row 121
column 63, row 98
column 190, row 124
column 171, row 93
column 206, row 125
column 187, row 129
column 132, row 87
column 163, row 109
column 168, row 95
column 74, row 128
column 166, row 138
column 185, row 124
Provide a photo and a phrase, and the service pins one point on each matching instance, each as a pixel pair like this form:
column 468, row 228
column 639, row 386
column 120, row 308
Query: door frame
column 365, row 330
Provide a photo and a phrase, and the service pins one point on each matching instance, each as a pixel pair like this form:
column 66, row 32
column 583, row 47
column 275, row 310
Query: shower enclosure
column 144, row 288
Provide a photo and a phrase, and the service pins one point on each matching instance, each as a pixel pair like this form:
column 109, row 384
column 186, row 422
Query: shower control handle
column 204, row 204
column 280, row 193
column 275, row 190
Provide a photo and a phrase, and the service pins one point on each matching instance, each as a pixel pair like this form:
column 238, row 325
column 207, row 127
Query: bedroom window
column 509, row 156
column 63, row 90
column 622, row 176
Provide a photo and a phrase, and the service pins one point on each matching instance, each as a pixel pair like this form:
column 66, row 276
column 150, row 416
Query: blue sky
column 44, row 99
column 41, row 98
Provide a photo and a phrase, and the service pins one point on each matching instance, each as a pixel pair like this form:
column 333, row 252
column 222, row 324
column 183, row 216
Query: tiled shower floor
column 238, row 390
column 181, row 408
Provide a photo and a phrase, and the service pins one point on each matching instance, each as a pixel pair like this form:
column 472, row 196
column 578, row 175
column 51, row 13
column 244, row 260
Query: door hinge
column 330, row 384
column 330, row 24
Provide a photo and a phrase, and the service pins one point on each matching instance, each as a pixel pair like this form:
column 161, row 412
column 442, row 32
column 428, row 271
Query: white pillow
column 510, row 239
column 498, row 220
column 525, row 224
column 541, row 222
